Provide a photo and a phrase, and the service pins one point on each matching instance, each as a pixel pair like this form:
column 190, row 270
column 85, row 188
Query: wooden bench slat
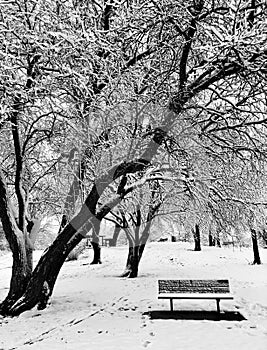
column 194, row 286
column 195, row 296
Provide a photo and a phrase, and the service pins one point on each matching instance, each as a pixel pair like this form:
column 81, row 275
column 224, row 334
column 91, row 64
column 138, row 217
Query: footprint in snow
column 146, row 343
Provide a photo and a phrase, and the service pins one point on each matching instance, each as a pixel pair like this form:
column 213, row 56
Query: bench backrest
column 194, row 286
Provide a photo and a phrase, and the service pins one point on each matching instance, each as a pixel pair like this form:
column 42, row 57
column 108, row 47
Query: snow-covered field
column 92, row 308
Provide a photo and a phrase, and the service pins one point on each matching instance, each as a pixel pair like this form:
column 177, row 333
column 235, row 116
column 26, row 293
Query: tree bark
column 211, row 240
column 255, row 246
column 217, row 238
column 264, row 236
column 135, row 254
column 116, row 233
column 48, row 285
column 21, row 271
column 97, row 253
column 95, row 242
column 196, row 233
column 21, row 274
column 137, row 246
column 218, row 242
column 132, row 264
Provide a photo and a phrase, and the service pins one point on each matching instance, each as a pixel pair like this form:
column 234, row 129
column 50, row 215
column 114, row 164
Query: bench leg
column 218, row 305
column 171, row 304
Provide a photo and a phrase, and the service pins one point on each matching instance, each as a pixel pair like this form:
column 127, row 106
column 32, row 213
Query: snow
column 92, row 308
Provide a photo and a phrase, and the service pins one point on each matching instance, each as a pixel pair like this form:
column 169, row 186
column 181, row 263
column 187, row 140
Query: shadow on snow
column 195, row 315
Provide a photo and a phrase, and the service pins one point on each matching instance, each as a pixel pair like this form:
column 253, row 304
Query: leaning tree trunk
column 196, row 233
column 41, row 284
column 49, row 284
column 43, row 278
column 255, row 246
column 52, row 260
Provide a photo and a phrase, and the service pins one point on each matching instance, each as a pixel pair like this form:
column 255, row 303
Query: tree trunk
column 21, row 274
column 21, row 271
column 15, row 232
column 197, row 238
column 48, row 285
column 217, row 239
column 132, row 264
column 211, row 240
column 116, row 233
column 41, row 284
column 264, row 236
column 97, row 253
column 95, row 243
column 135, row 252
column 257, row 259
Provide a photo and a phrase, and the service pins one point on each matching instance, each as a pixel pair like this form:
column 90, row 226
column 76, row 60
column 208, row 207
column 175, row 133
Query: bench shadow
column 195, row 315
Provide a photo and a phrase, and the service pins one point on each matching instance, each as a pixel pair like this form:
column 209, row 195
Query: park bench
column 194, row 289
column 106, row 241
column 89, row 239
column 228, row 243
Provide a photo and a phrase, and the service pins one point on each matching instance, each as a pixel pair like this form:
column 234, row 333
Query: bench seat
column 194, row 289
column 194, row 296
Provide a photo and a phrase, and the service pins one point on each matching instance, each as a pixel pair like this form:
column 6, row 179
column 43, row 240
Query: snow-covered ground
column 92, row 308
